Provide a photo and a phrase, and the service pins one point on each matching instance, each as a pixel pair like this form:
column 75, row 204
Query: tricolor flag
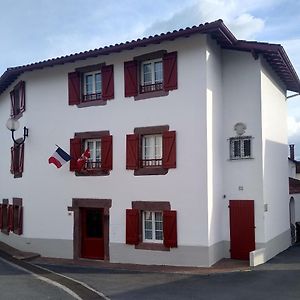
column 83, row 158
column 59, row 157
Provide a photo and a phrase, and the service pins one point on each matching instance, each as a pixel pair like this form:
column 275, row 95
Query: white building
column 180, row 126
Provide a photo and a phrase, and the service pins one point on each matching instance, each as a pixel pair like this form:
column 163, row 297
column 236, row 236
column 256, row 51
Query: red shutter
column 75, row 152
column 170, row 228
column 131, row 78
column 22, row 96
column 106, row 152
column 132, row 151
column 12, row 160
column 132, row 226
column 107, row 74
column 10, row 218
column 170, row 71
column 169, row 149
column 74, row 88
column 12, row 99
column 1, row 217
column 21, row 159
column 19, row 229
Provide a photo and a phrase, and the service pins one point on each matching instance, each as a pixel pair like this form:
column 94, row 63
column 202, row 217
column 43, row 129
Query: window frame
column 85, row 94
column 241, row 147
column 91, row 135
column 153, row 226
column 93, row 159
column 153, row 148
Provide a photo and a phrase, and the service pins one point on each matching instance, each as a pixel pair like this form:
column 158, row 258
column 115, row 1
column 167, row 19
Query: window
column 151, row 225
column 151, row 150
column 91, row 85
column 17, row 96
column 240, row 147
column 100, row 146
column 17, row 216
column 151, row 75
column 17, row 160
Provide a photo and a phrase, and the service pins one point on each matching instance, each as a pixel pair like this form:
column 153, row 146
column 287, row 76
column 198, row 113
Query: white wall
column 275, row 166
column 243, row 178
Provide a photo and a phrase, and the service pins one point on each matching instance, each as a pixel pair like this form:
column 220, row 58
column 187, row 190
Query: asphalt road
column 278, row 279
column 16, row 284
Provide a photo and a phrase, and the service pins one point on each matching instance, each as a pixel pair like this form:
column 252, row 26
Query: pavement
column 223, row 266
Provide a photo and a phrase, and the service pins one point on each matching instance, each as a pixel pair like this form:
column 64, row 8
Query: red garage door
column 242, row 235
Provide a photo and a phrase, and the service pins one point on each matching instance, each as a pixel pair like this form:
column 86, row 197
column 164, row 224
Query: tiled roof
column 273, row 53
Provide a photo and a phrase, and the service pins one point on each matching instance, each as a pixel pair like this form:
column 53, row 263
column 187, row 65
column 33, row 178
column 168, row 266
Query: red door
column 242, row 236
column 92, row 242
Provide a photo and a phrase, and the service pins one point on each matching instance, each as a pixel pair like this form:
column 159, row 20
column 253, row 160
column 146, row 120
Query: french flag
column 59, row 157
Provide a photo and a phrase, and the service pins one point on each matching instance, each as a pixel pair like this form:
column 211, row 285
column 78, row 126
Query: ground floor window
column 153, row 226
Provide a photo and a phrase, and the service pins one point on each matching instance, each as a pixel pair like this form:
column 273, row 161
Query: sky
column 34, row 30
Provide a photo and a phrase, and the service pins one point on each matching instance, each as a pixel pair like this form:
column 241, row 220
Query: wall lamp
column 14, row 125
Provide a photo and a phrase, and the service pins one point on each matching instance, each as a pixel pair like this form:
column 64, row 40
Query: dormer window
column 17, row 96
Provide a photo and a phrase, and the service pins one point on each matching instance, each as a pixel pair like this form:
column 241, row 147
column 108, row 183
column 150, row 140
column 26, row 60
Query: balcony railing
column 91, row 97
column 151, row 87
column 92, row 165
column 145, row 163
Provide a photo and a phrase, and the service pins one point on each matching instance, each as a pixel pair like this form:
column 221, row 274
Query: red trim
column 107, row 74
column 132, row 226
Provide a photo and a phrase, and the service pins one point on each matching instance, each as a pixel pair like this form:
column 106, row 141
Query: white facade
column 217, row 88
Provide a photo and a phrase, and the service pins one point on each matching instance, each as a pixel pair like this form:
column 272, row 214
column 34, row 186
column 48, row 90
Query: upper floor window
column 151, row 150
column 240, row 147
column 151, row 75
column 91, row 85
column 17, row 96
column 99, row 144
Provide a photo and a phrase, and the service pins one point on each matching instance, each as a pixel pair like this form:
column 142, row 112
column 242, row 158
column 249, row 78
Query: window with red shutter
column 151, row 150
column 17, row 216
column 91, row 85
column 151, row 225
column 132, row 226
column 17, row 96
column 100, row 148
column 17, row 160
column 151, row 75
column 10, row 218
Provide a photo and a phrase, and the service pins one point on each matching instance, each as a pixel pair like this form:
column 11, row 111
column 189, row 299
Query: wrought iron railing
column 91, row 97
column 91, row 165
column 151, row 87
column 145, row 163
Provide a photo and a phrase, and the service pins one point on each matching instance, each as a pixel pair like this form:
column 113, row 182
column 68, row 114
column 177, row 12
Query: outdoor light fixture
column 13, row 125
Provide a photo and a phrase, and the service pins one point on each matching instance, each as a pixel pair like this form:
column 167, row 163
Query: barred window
column 240, row 147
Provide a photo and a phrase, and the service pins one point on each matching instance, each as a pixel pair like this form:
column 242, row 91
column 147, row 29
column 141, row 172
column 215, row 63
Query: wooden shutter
column 169, row 149
column 12, row 160
column 132, row 152
column 74, row 88
column 75, row 152
column 1, row 217
column 21, row 158
column 10, row 218
column 170, row 71
column 12, row 99
column 22, row 96
column 131, row 78
column 132, row 226
column 106, row 152
column 170, row 228
column 107, row 74
column 19, row 228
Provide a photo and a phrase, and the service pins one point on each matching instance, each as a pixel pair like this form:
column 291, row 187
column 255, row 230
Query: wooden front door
column 242, row 235
column 92, row 240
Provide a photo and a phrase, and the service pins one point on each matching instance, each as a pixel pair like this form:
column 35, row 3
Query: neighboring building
column 187, row 133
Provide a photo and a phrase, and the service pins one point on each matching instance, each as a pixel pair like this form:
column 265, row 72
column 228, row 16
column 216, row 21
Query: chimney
column 292, row 151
